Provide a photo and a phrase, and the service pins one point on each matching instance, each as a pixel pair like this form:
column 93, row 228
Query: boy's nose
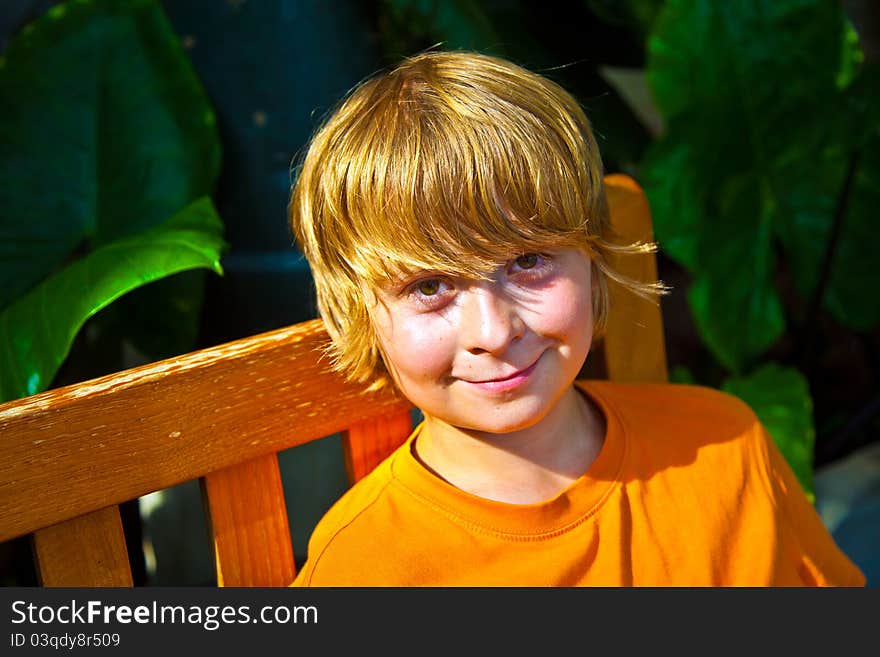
column 489, row 321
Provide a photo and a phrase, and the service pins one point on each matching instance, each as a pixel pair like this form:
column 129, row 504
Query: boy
column 452, row 212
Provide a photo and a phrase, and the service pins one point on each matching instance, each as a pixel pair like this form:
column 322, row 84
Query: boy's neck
column 522, row 467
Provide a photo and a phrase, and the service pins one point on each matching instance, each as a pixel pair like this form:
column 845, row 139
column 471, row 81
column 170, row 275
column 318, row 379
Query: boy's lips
column 505, row 383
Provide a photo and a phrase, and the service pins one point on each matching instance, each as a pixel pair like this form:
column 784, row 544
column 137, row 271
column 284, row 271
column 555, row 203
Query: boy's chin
column 502, row 422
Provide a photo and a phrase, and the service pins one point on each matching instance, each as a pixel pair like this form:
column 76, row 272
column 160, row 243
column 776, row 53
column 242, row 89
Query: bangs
column 457, row 180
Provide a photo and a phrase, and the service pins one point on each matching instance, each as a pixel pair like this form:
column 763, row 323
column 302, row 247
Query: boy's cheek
column 416, row 348
column 567, row 311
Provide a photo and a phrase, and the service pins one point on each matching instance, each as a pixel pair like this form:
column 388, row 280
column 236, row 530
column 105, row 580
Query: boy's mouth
column 504, row 383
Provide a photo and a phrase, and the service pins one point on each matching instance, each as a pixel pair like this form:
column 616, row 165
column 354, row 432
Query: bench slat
column 366, row 444
column 248, row 520
column 85, row 551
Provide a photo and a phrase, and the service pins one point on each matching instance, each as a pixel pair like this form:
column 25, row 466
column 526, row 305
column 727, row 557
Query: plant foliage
column 754, row 158
column 109, row 152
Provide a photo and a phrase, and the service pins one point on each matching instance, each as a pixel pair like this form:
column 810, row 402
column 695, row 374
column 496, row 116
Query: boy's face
column 492, row 356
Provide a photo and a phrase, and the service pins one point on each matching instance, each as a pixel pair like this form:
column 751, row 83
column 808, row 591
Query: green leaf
column 851, row 56
column 855, row 277
column 36, row 331
column 780, row 397
column 735, row 305
column 859, row 115
column 804, row 228
column 105, row 131
column 707, row 54
column 748, row 90
column 671, row 180
column 721, row 232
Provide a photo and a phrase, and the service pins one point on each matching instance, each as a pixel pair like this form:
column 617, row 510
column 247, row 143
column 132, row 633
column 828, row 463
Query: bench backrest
column 71, row 455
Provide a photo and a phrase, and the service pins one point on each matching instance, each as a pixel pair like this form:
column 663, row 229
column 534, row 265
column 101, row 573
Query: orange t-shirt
column 687, row 490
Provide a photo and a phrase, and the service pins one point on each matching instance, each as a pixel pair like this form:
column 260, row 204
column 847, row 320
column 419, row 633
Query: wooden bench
column 220, row 415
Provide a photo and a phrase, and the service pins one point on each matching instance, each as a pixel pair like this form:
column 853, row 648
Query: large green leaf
column 672, row 181
column 735, row 305
column 855, row 277
column 105, row 131
column 749, row 90
column 804, row 230
column 36, row 331
column 780, row 397
column 708, row 54
column 808, row 205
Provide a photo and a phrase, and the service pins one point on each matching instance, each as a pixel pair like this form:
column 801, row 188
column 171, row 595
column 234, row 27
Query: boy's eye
column 430, row 293
column 527, row 260
column 428, row 287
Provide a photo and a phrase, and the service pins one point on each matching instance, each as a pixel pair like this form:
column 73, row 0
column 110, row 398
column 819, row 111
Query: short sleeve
column 821, row 561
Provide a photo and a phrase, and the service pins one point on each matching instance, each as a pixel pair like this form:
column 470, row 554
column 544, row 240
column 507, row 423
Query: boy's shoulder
column 654, row 403
column 684, row 433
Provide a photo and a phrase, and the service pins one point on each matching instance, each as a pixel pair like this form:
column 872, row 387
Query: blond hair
column 453, row 161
